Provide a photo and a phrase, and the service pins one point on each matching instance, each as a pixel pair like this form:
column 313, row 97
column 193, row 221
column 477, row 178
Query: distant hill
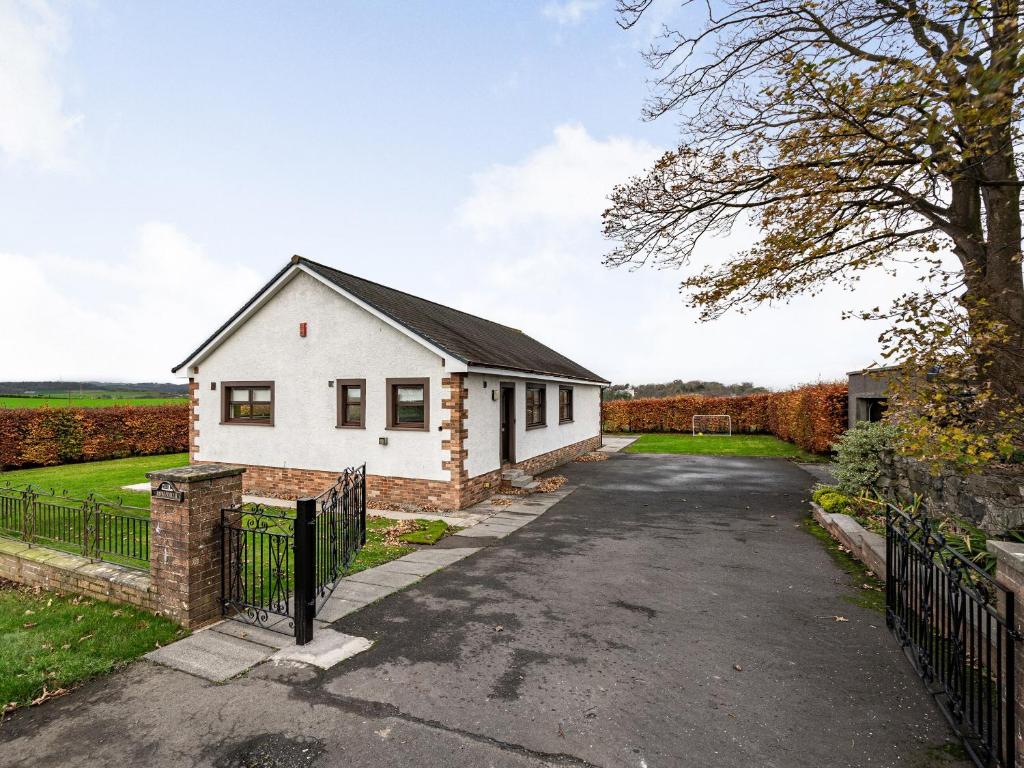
column 680, row 387
column 43, row 388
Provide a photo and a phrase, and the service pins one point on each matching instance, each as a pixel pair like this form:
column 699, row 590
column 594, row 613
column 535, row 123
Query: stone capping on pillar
column 185, row 539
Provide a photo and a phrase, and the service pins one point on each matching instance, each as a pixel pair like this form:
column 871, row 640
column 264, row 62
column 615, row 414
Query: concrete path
column 615, row 444
column 669, row 612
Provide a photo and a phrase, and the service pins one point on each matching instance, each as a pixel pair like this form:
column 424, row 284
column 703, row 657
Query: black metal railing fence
column 93, row 527
column 957, row 626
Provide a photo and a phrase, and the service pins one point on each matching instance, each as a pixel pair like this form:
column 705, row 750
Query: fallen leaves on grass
column 587, row 457
column 391, row 534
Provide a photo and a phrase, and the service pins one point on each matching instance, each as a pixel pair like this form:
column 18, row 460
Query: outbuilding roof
column 471, row 339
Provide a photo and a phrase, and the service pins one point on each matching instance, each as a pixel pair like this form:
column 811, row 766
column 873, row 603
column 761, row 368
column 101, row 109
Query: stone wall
column 992, row 499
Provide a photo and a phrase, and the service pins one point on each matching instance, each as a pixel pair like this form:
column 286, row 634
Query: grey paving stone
column 337, row 608
column 440, row 556
column 512, row 521
column 211, row 655
column 411, row 567
column 487, row 531
column 395, row 579
column 276, row 639
column 328, row 647
column 359, row 592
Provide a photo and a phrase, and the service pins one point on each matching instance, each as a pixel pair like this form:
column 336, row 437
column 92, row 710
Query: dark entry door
column 508, row 424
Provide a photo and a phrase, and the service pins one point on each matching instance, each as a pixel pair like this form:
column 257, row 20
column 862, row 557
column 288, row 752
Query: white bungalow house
column 321, row 370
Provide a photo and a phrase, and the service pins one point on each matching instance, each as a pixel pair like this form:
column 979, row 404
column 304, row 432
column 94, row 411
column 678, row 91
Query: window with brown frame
column 536, row 405
column 564, row 404
column 351, row 403
column 247, row 402
column 408, row 404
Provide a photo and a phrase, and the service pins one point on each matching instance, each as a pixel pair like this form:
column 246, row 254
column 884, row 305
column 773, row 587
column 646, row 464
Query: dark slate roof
column 469, row 338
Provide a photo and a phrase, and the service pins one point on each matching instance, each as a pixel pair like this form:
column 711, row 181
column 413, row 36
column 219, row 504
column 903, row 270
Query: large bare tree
column 854, row 134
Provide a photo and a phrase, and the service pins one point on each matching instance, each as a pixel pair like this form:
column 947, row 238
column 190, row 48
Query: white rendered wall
column 343, row 342
column 484, row 421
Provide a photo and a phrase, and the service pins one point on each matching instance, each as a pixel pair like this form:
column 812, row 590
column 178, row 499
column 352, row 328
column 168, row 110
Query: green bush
column 832, row 500
column 858, row 454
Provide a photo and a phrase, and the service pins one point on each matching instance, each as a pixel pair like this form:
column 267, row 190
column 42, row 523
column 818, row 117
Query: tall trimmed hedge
column 812, row 417
column 46, row 436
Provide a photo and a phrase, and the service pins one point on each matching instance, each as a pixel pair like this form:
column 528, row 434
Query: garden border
column 864, row 545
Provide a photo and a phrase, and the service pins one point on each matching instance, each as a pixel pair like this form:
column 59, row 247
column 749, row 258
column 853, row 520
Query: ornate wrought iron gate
column 330, row 530
column 279, row 569
column 945, row 611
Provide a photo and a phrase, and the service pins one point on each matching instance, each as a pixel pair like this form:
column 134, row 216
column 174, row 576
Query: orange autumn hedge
column 46, row 436
column 812, row 417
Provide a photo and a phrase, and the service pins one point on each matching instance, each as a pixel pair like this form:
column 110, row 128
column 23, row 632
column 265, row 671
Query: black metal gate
column 945, row 611
column 278, row 568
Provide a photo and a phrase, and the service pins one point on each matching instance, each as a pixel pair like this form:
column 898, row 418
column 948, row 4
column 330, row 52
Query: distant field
column 89, row 401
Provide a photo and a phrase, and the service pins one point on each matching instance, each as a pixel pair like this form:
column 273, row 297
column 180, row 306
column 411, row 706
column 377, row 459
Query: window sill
column 408, row 429
column 535, row 426
column 350, row 426
column 248, row 423
column 565, row 421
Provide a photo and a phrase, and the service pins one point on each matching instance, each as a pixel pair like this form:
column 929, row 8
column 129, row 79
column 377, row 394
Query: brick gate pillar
column 185, row 539
column 1010, row 575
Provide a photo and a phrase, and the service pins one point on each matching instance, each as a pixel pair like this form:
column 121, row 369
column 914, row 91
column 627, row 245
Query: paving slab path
column 671, row 611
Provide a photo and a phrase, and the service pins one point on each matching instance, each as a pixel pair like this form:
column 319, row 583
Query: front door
column 508, row 424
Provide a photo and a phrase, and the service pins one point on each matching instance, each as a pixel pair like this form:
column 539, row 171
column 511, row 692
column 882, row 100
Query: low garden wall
column 811, row 417
column 46, row 436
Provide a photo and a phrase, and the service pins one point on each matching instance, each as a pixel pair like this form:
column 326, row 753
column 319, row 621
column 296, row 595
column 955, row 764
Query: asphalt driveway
column 669, row 612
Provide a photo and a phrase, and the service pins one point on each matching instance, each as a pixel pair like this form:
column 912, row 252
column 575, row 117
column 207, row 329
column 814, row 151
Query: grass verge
column 104, row 478
column 719, row 445
column 430, row 532
column 51, row 642
column 866, row 590
column 377, row 549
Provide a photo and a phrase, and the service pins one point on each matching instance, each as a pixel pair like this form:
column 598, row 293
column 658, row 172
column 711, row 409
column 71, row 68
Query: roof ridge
column 303, row 259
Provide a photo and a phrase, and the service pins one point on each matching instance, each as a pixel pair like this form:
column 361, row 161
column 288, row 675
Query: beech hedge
column 32, row 437
column 812, row 417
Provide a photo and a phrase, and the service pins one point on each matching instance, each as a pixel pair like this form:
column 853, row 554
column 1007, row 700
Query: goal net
column 712, row 424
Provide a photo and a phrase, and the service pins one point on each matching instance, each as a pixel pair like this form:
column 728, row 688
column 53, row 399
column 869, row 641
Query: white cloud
column 563, row 184
column 127, row 319
column 535, row 227
column 570, row 12
column 35, row 126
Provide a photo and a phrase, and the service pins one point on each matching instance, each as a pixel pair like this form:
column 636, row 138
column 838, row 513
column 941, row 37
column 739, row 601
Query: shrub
column 858, row 455
column 47, row 436
column 832, row 500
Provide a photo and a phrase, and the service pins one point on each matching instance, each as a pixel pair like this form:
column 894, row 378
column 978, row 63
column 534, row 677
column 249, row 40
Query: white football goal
column 712, row 424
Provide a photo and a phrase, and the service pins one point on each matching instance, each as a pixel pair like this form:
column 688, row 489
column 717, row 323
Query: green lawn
column 720, row 445
column 104, row 478
column 85, row 402
column 57, row 641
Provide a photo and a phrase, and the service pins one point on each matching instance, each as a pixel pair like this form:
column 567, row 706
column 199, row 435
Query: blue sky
column 161, row 160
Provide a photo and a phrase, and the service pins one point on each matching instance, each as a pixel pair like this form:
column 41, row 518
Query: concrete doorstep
column 229, row 648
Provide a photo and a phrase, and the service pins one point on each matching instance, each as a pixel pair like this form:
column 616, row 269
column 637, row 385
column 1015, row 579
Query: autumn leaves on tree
column 855, row 134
